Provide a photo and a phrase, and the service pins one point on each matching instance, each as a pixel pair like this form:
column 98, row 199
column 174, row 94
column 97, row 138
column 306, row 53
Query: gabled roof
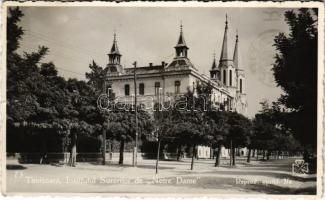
column 180, row 64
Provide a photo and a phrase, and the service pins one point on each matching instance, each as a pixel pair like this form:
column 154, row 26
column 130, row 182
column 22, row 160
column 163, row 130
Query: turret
column 214, row 72
column 181, row 48
column 114, row 58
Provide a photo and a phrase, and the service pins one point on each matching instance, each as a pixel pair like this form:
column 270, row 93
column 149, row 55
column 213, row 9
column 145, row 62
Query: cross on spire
column 114, row 36
column 226, row 19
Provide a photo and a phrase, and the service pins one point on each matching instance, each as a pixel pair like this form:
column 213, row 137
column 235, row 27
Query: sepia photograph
column 165, row 99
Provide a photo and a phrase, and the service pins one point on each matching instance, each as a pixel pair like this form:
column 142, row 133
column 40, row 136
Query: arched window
column 177, row 87
column 241, row 86
column 230, row 77
column 224, row 77
column 127, row 89
column 141, row 88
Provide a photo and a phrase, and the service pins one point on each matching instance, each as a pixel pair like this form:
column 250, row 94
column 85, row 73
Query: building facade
column 227, row 77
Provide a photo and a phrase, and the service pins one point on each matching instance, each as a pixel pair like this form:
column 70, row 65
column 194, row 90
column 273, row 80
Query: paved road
column 269, row 177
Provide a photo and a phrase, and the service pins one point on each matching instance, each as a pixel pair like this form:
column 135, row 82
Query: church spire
column 214, row 65
column 114, row 55
column 114, row 49
column 224, row 50
column 235, row 58
column 181, row 48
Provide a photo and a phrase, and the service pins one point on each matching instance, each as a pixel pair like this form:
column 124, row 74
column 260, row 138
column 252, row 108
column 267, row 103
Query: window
column 109, row 90
column 241, row 86
column 141, row 88
column 177, row 87
column 224, row 77
column 127, row 89
column 157, row 86
column 230, row 77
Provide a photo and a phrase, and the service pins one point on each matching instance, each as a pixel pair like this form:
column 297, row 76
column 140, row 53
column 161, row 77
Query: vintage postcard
column 163, row 99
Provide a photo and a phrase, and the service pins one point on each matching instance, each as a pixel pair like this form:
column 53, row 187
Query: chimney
column 163, row 63
column 150, row 64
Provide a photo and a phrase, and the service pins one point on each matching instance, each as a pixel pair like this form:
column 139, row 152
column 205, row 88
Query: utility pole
column 104, row 132
column 104, row 146
column 135, row 150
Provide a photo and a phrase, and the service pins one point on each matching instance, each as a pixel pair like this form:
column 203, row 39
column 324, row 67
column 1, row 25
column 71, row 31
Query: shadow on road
column 16, row 167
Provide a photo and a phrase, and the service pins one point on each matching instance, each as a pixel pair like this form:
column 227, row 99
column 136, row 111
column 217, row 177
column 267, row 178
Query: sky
column 77, row 35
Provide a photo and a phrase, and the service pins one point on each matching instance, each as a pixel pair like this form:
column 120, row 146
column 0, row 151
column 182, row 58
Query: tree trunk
column 230, row 154
column 179, row 149
column 218, row 156
column 233, row 156
column 253, row 153
column 43, row 151
column 268, row 155
column 121, row 152
column 73, row 150
column 110, row 150
column 104, row 146
column 257, row 154
column 263, row 154
column 193, row 155
column 249, row 155
column 158, row 151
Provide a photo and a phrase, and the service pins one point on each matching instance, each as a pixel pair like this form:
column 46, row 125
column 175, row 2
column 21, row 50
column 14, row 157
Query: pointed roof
column 114, row 49
column 181, row 40
column 235, row 57
column 224, row 50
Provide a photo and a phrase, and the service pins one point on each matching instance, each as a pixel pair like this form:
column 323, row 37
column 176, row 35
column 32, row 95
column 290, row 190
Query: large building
column 227, row 77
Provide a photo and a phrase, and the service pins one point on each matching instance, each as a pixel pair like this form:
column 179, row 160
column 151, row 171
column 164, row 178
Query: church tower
column 181, row 60
column 227, row 72
column 114, row 59
column 215, row 72
column 181, row 48
column 241, row 101
column 239, row 71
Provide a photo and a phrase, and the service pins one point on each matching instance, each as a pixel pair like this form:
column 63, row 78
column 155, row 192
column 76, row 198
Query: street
column 267, row 177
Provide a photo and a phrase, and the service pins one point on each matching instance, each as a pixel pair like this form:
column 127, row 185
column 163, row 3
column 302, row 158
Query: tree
column 39, row 99
column 219, row 132
column 191, row 121
column 269, row 134
column 96, row 79
column 295, row 71
column 14, row 31
column 121, row 126
column 238, row 133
